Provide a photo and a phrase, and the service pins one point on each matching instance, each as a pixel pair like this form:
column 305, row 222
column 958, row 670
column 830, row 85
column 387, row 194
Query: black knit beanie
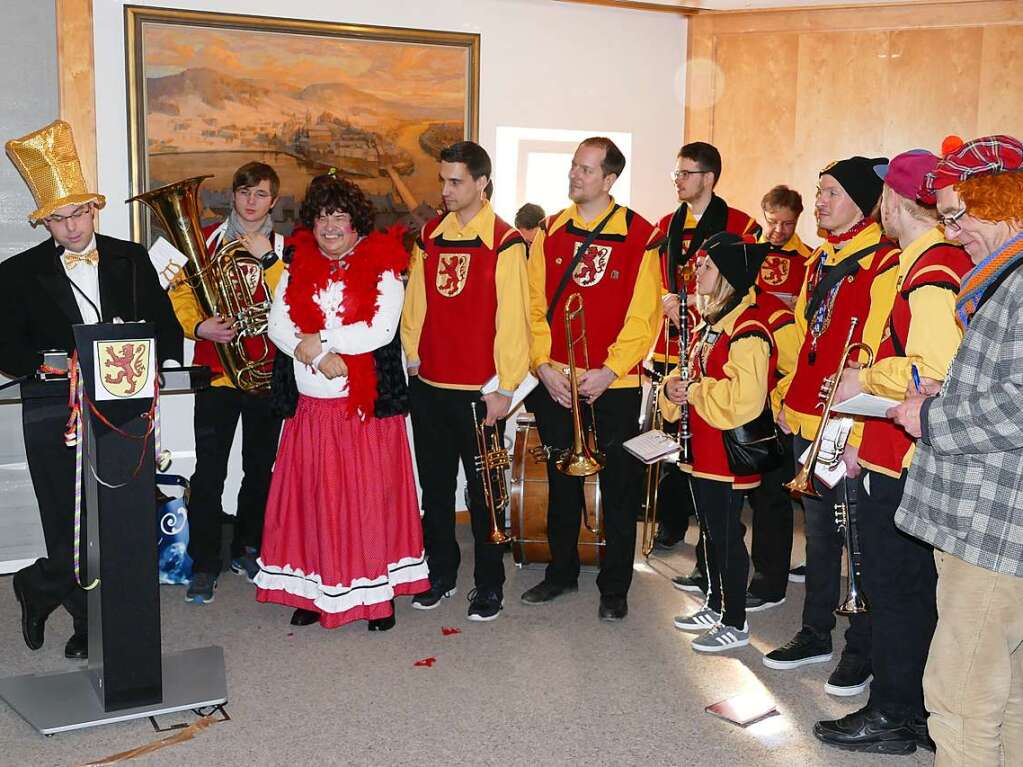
column 737, row 259
column 858, row 179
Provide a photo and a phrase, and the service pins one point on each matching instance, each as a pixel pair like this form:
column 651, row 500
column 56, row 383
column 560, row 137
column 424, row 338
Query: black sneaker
column 485, row 604
column 850, row 677
column 870, row 731
column 432, row 596
column 695, row 581
column 798, row 574
column 806, row 647
column 201, row 588
column 755, row 604
column 665, row 541
column 545, row 592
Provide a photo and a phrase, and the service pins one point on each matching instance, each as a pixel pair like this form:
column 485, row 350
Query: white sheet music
column 651, row 446
column 866, row 404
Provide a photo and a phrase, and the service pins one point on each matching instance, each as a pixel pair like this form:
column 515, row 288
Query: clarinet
column 684, row 274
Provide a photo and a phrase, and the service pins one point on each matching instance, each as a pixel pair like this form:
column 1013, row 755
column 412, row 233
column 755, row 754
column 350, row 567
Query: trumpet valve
column 841, row 516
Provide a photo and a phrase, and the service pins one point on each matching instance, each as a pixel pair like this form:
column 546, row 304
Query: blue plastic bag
column 175, row 566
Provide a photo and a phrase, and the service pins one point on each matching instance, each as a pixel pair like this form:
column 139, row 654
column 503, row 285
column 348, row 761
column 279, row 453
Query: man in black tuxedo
column 74, row 277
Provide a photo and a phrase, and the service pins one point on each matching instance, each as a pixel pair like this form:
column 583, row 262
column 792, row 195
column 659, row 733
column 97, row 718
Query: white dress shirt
column 357, row 338
column 85, row 276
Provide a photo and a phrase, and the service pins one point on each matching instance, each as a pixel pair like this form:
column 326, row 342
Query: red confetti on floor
column 449, row 630
column 427, row 662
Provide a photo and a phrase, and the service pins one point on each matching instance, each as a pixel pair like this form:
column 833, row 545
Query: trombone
column 491, row 463
column 582, row 459
column 802, row 483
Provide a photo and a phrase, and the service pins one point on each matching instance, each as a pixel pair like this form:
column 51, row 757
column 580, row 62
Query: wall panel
column 845, row 82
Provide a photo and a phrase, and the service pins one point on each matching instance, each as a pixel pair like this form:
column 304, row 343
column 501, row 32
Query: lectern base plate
column 67, row 700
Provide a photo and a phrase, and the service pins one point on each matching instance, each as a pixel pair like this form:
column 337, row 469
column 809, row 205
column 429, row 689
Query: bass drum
column 529, row 503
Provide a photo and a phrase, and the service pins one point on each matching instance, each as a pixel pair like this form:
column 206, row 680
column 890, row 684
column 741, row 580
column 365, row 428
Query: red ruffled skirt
column 342, row 534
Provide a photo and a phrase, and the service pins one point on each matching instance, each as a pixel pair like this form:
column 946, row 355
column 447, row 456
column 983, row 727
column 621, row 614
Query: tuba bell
column 219, row 283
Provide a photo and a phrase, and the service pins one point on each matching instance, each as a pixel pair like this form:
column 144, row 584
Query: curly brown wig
column 329, row 194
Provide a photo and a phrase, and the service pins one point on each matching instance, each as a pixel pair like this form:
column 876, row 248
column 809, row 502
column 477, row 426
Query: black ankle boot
column 302, row 617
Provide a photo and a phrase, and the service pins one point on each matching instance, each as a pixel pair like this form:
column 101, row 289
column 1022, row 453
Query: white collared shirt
column 85, row 276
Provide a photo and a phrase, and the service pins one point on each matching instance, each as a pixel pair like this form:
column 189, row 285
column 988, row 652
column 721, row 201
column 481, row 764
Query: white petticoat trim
column 342, row 597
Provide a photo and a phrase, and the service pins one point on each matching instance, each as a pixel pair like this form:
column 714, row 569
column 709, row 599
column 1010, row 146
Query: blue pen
column 916, row 377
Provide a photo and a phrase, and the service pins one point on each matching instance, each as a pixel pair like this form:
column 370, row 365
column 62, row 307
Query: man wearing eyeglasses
column 700, row 214
column 75, row 276
column 218, row 409
column 963, row 494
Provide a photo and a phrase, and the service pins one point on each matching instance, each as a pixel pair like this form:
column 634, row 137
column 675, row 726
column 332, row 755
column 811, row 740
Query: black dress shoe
column 383, row 624
column 545, row 591
column 868, row 730
column 613, row 608
column 665, row 541
column 302, row 617
column 33, row 622
column 77, row 647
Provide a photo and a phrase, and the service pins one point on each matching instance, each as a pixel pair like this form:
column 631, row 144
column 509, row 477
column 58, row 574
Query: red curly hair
column 994, row 198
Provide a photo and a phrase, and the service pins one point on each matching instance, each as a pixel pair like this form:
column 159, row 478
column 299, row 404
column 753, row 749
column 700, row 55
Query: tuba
column 491, row 462
column 803, row 481
column 222, row 283
column 582, row 459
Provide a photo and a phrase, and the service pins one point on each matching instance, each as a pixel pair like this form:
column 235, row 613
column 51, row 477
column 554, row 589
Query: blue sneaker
column 200, row 590
column 246, row 564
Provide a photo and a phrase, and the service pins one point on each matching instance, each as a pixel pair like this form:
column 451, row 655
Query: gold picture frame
column 210, row 91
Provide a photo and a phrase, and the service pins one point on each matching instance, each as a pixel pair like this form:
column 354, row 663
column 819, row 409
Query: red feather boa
column 311, row 272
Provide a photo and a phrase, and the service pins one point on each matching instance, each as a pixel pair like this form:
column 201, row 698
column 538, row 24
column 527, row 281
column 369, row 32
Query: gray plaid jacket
column 964, row 493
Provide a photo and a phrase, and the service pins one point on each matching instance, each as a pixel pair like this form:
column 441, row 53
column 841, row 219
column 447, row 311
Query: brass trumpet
column 582, row 459
column 491, row 463
column 845, row 519
column 802, row 483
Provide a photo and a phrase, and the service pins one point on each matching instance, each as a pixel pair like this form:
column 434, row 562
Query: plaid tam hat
column 984, row 156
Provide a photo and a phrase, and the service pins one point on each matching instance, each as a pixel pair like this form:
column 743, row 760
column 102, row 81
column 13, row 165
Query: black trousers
column 217, row 411
column 50, row 581
column 621, row 487
column 824, row 545
column 719, row 507
column 899, row 581
column 772, row 530
column 444, row 435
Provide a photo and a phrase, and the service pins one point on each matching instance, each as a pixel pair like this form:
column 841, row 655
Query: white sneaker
column 721, row 638
column 702, row 620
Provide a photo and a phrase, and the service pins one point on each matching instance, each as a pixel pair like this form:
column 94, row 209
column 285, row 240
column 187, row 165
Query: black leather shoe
column 546, row 592
column 613, row 608
column 33, row 622
column 77, row 647
column 868, row 730
column 302, row 617
column 665, row 541
column 383, row 624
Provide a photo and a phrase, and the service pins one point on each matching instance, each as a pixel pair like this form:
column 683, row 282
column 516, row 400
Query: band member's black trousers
column 824, row 544
column 900, row 582
column 719, row 508
column 217, row 411
column 50, row 581
column 444, row 434
column 772, row 530
column 621, row 488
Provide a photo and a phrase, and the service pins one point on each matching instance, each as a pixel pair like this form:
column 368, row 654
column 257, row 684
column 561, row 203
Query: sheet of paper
column 167, row 260
column 835, row 433
column 652, row 446
column 866, row 404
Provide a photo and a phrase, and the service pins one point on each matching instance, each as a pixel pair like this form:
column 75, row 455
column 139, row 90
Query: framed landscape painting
column 208, row 92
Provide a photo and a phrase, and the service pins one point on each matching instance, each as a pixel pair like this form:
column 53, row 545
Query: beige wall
column 783, row 93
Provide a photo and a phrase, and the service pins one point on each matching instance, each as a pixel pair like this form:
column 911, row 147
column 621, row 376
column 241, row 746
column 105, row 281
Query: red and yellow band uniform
column 781, row 321
column 736, row 222
column 731, row 388
column 190, row 315
column 620, row 283
column 867, row 294
column 784, row 269
column 465, row 317
column 922, row 331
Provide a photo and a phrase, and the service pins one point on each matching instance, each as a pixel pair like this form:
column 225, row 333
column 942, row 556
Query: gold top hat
column 48, row 161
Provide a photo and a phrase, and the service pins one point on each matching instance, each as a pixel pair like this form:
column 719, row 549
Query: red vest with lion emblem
column 456, row 347
column 605, row 277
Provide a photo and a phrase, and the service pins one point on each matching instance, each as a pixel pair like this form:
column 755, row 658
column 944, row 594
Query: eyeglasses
column 951, row 223
column 685, row 174
column 337, row 219
column 77, row 215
